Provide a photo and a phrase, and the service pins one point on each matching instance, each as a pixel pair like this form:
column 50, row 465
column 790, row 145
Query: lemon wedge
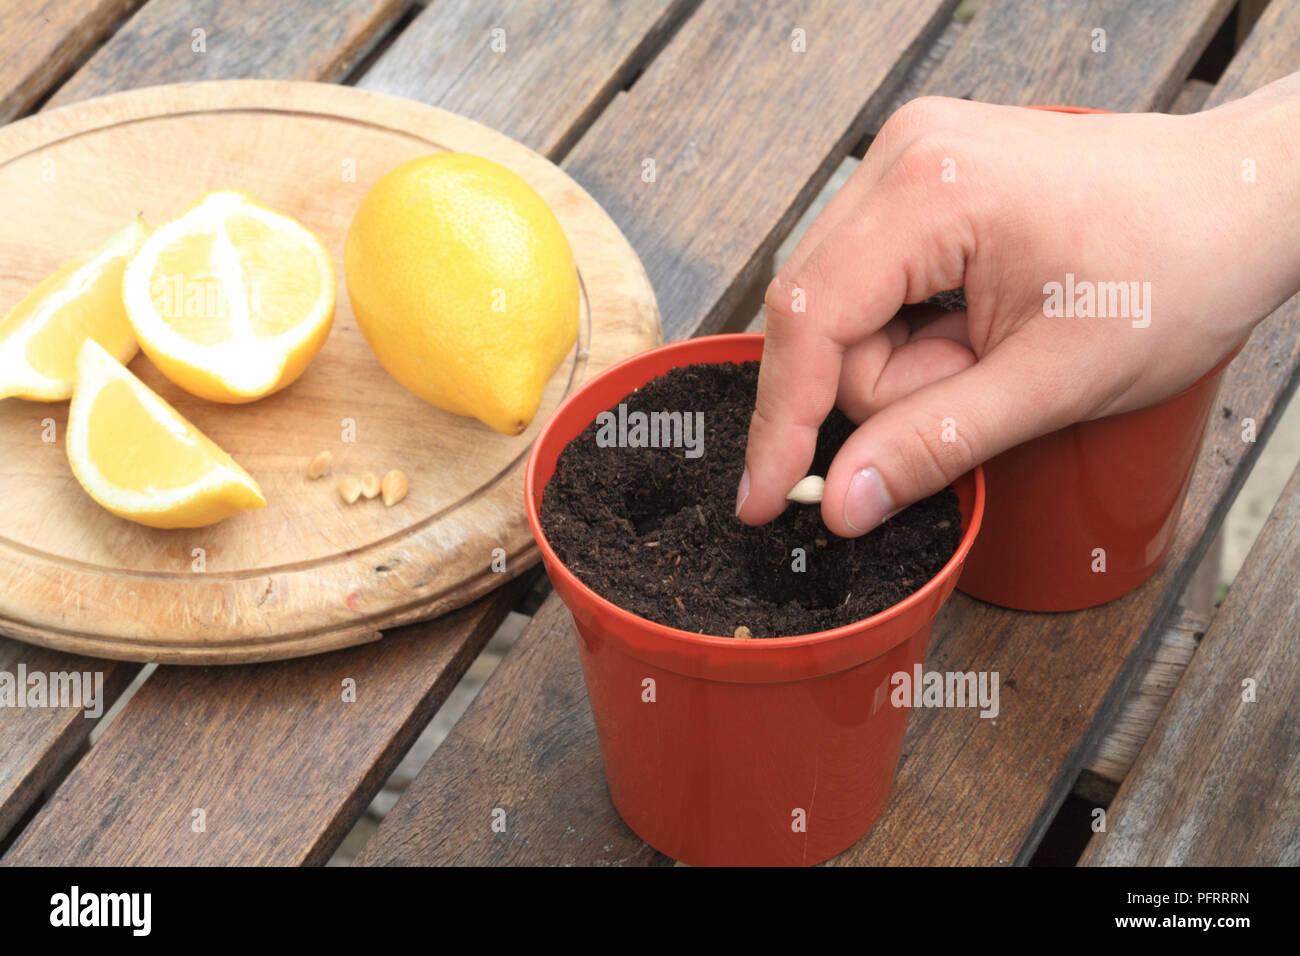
column 82, row 299
column 139, row 458
column 231, row 300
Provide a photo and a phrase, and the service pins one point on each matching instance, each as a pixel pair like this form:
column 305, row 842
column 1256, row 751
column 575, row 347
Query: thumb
column 921, row 443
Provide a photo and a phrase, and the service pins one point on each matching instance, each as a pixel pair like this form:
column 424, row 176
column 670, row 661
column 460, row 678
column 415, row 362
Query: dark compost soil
column 655, row 532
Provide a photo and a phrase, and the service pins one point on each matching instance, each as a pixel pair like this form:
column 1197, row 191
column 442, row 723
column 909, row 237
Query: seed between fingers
column 808, row 491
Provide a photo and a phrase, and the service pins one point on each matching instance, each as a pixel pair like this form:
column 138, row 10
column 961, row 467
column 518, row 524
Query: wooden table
column 744, row 130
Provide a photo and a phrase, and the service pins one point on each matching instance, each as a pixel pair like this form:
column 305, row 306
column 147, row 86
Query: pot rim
column 931, row 590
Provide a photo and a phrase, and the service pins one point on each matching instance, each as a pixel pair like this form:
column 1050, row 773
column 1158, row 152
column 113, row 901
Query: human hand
column 1198, row 217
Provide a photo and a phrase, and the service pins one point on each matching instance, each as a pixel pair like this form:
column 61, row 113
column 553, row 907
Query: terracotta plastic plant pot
column 1086, row 514
column 758, row 752
column 1100, row 494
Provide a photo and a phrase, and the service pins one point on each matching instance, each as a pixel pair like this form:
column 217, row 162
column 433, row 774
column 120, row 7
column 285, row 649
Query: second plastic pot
column 1086, row 514
column 718, row 751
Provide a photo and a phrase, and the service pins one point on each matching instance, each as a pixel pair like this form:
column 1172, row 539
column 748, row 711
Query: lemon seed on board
column 350, row 488
column 394, row 487
column 320, row 465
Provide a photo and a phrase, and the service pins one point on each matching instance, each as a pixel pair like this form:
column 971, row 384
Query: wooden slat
column 1271, row 51
column 461, row 69
column 1218, row 783
column 1162, row 669
column 914, row 83
column 742, row 132
column 267, row 39
column 257, row 757
column 1041, row 51
column 40, row 41
column 969, row 790
column 357, row 752
column 1191, row 98
column 530, row 752
column 1248, row 14
column 38, row 741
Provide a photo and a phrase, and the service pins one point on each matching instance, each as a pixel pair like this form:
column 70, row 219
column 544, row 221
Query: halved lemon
column 42, row 334
column 139, row 458
column 231, row 300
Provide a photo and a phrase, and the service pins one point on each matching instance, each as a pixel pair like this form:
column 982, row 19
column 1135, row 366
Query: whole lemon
column 464, row 285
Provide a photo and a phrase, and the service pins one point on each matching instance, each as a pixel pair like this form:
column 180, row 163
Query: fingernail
column 868, row 503
column 742, row 493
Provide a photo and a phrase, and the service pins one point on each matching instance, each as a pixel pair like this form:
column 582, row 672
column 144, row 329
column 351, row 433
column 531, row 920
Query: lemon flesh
column 464, row 285
column 231, row 300
column 82, row 299
column 138, row 457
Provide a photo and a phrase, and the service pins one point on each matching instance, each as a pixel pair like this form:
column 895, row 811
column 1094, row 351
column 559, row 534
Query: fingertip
column 776, row 456
column 760, row 494
column 742, row 491
column 867, row 503
column 756, row 509
column 860, row 507
column 780, row 294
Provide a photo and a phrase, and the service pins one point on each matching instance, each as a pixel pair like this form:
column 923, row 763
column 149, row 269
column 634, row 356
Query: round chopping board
column 308, row 573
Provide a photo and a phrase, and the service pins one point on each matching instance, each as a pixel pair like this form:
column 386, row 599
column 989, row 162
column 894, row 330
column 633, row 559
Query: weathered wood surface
column 1218, row 782
column 198, row 771
column 175, row 41
column 393, row 663
column 527, row 747
column 38, row 739
column 41, row 39
column 730, row 132
column 1064, row 676
column 1162, row 669
column 1271, row 51
column 501, row 51
column 36, row 742
column 1049, row 52
column 1191, row 98
column 309, row 572
column 914, row 83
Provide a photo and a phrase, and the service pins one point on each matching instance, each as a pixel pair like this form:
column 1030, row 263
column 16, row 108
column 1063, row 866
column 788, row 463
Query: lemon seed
column 808, row 491
column 320, row 465
column 394, row 486
column 350, row 488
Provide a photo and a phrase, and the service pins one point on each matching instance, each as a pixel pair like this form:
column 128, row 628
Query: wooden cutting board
column 307, row 573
